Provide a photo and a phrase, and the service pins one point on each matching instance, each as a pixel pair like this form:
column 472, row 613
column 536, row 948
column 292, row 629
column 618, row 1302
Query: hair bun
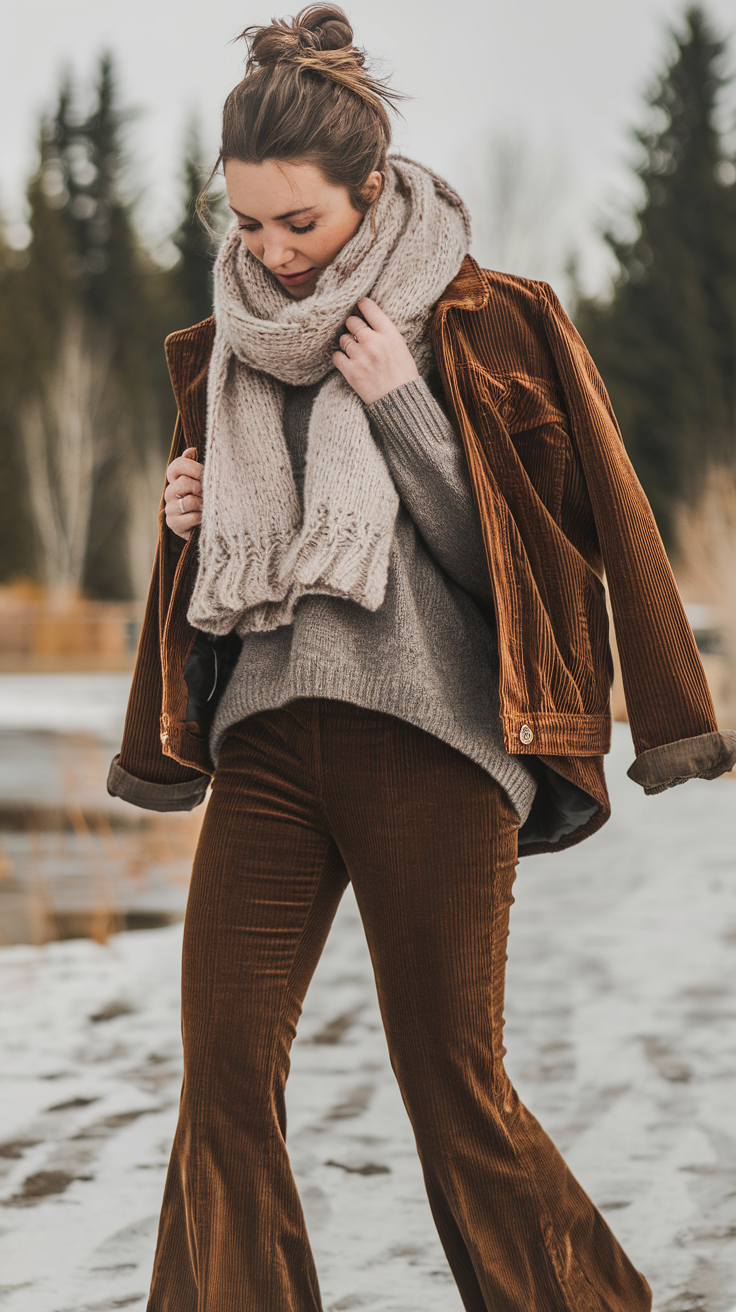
column 323, row 27
column 315, row 29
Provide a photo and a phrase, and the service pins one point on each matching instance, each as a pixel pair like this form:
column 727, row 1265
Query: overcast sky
column 558, row 83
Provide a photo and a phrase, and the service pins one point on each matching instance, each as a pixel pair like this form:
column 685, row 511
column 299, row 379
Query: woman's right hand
column 183, row 495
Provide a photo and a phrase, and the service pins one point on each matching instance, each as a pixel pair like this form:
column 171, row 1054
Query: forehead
column 275, row 187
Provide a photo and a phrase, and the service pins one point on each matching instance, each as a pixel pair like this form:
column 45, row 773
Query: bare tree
column 706, row 542
column 63, row 446
column 145, row 473
column 517, row 197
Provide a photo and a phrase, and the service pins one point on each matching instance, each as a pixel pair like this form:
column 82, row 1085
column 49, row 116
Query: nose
column 277, row 250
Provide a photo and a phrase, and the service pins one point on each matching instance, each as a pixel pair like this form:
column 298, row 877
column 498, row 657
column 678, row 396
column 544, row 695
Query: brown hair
column 307, row 96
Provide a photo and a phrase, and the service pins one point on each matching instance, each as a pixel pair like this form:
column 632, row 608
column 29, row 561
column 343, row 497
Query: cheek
column 334, row 239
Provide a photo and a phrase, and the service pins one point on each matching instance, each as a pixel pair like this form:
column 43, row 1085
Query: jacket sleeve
column 141, row 774
column 670, row 709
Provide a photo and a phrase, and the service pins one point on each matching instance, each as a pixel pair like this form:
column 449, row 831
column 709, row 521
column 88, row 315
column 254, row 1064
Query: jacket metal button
column 526, row 734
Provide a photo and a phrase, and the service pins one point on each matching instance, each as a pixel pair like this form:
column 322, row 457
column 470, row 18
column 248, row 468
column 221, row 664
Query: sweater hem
column 376, row 694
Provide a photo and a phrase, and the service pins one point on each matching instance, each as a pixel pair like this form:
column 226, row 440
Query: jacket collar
column 467, row 291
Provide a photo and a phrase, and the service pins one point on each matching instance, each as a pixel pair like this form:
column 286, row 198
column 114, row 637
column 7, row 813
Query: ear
column 373, row 186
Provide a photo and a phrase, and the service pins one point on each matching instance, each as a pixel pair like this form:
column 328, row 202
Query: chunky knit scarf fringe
column 258, row 552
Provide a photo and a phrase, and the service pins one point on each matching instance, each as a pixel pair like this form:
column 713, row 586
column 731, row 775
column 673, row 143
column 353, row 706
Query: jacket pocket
column 536, row 427
column 544, row 453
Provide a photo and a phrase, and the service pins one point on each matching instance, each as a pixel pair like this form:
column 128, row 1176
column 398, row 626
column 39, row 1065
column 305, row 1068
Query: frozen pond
column 74, row 861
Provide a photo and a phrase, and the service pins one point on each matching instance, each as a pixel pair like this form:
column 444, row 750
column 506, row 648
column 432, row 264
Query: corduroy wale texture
column 559, row 503
column 306, row 797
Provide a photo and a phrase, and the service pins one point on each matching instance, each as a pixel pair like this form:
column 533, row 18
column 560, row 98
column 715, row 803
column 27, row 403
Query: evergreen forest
column 86, row 411
column 665, row 339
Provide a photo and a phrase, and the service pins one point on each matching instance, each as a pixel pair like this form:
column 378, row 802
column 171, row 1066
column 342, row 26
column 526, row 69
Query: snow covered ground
column 621, row 1035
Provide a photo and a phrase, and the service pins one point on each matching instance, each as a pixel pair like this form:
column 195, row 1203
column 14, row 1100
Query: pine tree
column 666, row 341
column 121, row 302
column 197, row 247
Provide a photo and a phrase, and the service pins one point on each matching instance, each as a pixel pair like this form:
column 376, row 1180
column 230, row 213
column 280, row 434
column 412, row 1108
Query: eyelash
column 244, row 227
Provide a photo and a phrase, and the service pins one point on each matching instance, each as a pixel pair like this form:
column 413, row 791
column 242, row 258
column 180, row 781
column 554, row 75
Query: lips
column 295, row 277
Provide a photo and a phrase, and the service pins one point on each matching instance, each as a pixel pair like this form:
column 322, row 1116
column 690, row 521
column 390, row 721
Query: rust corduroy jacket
column 560, row 505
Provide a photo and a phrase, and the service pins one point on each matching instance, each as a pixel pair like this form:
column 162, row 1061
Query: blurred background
column 596, row 147
column 595, row 144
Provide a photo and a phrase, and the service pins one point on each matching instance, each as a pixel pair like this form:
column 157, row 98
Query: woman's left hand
column 374, row 358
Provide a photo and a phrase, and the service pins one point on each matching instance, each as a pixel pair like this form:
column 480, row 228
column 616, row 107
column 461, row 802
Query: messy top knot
column 318, row 27
column 307, row 97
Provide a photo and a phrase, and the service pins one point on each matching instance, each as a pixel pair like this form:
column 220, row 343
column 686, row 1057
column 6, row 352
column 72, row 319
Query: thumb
column 190, row 453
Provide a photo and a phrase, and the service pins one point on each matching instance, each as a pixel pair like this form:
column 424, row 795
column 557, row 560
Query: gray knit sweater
column 427, row 655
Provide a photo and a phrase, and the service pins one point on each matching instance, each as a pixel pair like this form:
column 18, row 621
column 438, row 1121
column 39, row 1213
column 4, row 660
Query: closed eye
column 253, row 227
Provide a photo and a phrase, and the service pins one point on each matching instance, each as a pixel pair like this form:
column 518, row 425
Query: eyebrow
column 278, row 218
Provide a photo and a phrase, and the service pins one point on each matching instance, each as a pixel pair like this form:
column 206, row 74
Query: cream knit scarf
column 258, row 552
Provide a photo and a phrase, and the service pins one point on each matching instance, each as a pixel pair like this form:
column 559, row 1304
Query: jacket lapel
column 188, row 356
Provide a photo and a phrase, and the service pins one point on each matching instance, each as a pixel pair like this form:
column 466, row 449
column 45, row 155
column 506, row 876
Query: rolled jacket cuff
column 704, row 757
column 156, row 797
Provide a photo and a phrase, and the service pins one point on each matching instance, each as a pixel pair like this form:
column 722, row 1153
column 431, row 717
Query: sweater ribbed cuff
column 410, row 419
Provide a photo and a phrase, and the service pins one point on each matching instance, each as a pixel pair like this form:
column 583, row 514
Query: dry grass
column 40, row 632
column 706, row 568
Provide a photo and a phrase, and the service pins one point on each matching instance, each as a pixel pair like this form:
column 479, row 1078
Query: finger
column 347, row 341
column 183, row 465
column 341, row 362
column 177, row 522
column 182, row 487
column 188, row 520
column 172, row 497
column 189, row 468
column 374, row 315
column 356, row 326
column 184, row 505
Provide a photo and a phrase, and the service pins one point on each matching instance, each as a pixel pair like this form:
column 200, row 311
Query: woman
column 387, row 645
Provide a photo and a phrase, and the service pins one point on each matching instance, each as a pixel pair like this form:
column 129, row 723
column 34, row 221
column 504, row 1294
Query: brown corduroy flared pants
column 306, row 798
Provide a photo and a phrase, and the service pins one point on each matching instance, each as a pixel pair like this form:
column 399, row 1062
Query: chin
column 301, row 293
